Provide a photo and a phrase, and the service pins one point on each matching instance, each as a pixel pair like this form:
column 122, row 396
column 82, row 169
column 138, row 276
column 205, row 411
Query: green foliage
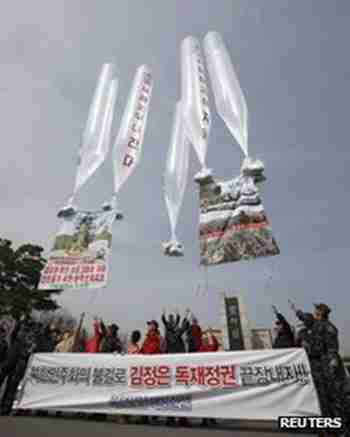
column 19, row 279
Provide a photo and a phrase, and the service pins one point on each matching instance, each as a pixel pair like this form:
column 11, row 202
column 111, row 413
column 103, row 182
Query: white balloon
column 128, row 144
column 96, row 137
column 195, row 101
column 229, row 98
column 176, row 172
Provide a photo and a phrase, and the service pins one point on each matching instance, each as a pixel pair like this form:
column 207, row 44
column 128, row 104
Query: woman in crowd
column 92, row 345
column 209, row 342
column 133, row 346
column 151, row 344
column 71, row 339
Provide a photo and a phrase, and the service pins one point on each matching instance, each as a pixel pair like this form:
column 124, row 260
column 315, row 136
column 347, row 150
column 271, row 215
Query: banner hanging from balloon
column 233, row 223
column 195, row 100
column 128, row 144
column 79, row 258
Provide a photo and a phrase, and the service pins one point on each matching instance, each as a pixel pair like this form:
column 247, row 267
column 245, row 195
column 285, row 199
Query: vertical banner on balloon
column 233, row 224
column 79, row 258
column 195, row 100
column 128, row 145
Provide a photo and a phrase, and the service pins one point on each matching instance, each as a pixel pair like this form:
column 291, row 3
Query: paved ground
column 52, row 427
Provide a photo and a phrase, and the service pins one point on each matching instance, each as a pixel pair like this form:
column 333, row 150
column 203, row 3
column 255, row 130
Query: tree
column 19, row 279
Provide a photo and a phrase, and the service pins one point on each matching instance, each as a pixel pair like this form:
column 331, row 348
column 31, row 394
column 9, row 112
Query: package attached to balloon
column 79, row 257
column 233, row 223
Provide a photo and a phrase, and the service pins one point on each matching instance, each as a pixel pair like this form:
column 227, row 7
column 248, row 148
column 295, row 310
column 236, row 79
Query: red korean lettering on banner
column 150, row 376
column 182, row 375
column 211, row 376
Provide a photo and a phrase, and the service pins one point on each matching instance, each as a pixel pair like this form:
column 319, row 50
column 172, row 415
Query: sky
column 293, row 65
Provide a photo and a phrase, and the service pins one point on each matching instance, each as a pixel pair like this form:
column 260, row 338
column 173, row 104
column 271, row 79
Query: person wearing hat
column 333, row 367
column 326, row 365
column 151, row 345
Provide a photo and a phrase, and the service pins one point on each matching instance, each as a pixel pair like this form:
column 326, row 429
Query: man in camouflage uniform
column 320, row 340
column 310, row 338
column 333, row 368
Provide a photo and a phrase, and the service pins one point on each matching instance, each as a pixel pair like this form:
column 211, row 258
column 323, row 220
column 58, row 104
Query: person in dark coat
column 328, row 369
column 3, row 344
column 310, row 338
column 23, row 344
column 333, row 368
column 110, row 342
column 174, row 333
column 285, row 335
column 175, row 345
column 193, row 334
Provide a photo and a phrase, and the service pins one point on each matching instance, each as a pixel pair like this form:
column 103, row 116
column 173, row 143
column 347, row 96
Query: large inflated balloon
column 175, row 178
column 229, row 98
column 96, row 137
column 195, row 101
column 128, row 145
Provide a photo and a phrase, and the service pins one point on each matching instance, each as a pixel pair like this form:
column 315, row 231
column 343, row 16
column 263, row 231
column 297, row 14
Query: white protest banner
column 256, row 385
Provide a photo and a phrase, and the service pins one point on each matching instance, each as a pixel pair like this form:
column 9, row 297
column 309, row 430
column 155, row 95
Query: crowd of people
column 319, row 337
column 181, row 335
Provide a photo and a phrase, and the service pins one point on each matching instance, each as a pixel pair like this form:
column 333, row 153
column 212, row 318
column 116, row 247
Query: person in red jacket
column 151, row 345
column 209, row 343
column 92, row 345
column 194, row 336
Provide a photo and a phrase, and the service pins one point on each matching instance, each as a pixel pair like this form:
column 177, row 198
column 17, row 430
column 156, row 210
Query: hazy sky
column 293, row 65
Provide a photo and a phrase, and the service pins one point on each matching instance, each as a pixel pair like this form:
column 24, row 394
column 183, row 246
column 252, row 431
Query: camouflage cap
column 322, row 307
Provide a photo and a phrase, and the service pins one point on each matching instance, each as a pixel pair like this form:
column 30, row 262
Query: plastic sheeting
column 96, row 137
column 175, row 179
column 233, row 222
column 229, row 98
column 128, row 145
column 195, row 100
